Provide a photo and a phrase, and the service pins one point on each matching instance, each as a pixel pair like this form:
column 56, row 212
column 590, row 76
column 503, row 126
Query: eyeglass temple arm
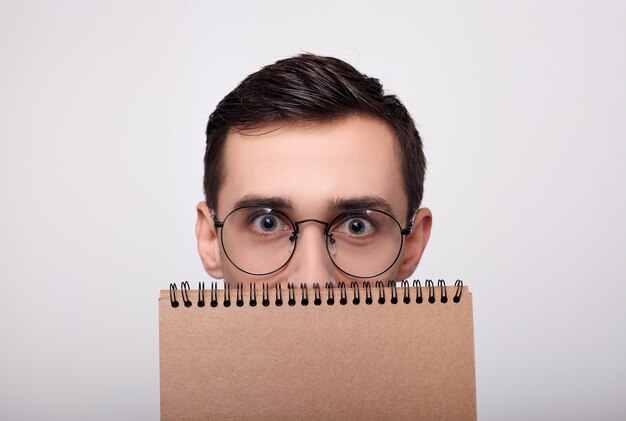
column 409, row 228
column 216, row 222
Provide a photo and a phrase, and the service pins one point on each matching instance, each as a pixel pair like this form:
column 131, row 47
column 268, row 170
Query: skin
column 312, row 165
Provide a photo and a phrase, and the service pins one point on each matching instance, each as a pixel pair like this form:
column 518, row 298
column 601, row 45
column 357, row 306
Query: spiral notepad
column 358, row 351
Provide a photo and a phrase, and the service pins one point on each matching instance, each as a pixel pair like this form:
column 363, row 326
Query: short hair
column 311, row 88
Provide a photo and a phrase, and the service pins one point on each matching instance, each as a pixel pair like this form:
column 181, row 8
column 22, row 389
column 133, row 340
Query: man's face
column 310, row 168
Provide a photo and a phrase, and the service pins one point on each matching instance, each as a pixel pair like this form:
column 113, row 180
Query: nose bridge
column 310, row 261
column 324, row 224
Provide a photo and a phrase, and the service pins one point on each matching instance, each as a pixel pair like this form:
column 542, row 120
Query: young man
column 312, row 174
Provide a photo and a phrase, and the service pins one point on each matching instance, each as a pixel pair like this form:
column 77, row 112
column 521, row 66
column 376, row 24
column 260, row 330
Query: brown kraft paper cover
column 363, row 362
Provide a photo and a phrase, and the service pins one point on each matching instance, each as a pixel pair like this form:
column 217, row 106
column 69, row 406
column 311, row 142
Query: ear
column 208, row 242
column 415, row 243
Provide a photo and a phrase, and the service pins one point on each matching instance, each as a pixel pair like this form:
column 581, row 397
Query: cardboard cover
column 366, row 362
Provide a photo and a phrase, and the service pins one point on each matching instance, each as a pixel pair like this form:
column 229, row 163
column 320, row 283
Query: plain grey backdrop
column 522, row 108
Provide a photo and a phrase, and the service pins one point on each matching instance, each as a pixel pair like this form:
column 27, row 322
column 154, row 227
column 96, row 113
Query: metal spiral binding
column 381, row 292
column 394, row 292
column 431, row 291
column 406, row 299
column 213, row 294
column 443, row 292
column 368, row 293
column 459, row 290
column 418, row 285
column 173, row 301
column 279, row 295
column 331, row 293
column 239, row 301
column 343, row 299
column 184, row 291
column 355, row 287
column 292, row 295
column 266, row 295
column 252, row 294
column 305, row 295
column 200, row 294
column 226, row 294
column 317, row 293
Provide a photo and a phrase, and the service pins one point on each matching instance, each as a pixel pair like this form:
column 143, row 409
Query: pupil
column 357, row 226
column 268, row 223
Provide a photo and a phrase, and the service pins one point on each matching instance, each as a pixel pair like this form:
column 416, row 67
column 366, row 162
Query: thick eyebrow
column 275, row 202
column 361, row 202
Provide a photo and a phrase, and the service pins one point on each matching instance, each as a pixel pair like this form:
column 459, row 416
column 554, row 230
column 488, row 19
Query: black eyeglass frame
column 296, row 231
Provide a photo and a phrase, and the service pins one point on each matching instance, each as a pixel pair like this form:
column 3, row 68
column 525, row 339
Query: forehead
column 312, row 165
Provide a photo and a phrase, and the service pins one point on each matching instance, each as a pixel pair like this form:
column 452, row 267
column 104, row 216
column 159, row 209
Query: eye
column 268, row 224
column 355, row 227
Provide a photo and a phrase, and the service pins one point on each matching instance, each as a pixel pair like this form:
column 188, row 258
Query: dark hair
column 310, row 88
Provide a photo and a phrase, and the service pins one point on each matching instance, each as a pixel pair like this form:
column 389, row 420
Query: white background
column 522, row 108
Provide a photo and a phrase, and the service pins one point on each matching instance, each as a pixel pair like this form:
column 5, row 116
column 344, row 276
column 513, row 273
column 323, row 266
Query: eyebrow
column 361, row 202
column 275, row 202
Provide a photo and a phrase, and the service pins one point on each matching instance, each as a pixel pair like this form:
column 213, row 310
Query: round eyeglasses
column 362, row 243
